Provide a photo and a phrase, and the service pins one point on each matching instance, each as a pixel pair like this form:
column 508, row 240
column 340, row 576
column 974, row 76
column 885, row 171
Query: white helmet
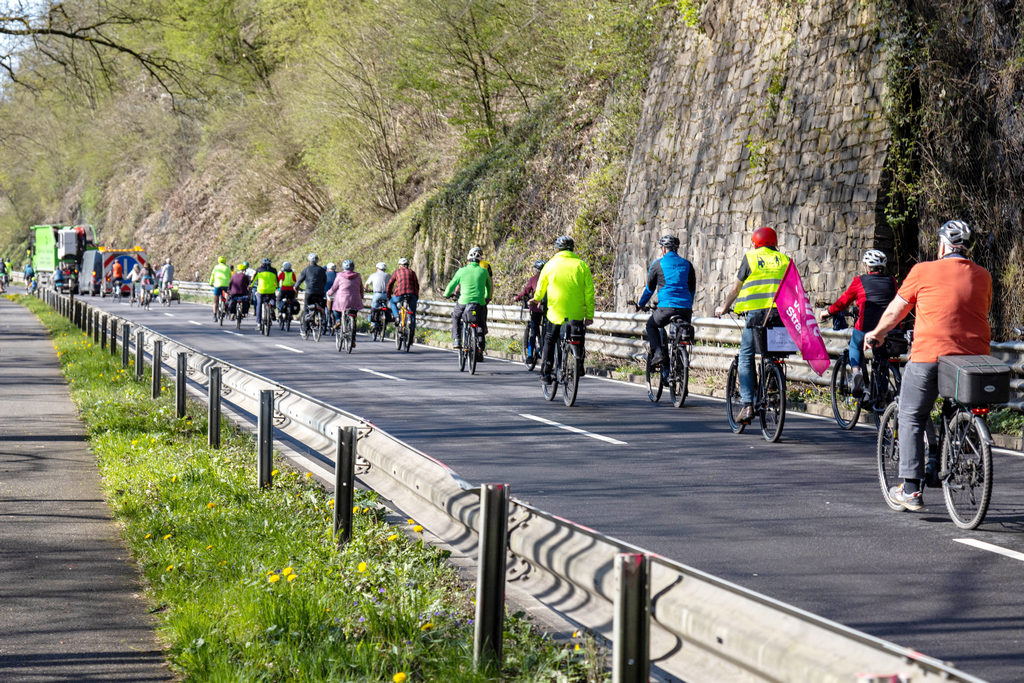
column 381, row 265
column 874, row 258
column 403, row 261
column 331, row 266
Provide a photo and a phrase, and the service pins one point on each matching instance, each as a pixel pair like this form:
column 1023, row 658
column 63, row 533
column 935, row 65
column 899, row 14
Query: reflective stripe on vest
column 767, row 267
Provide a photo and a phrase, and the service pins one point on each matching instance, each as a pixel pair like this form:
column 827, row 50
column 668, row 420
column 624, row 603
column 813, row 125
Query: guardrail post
column 103, row 333
column 265, row 440
column 158, row 356
column 87, row 321
column 140, row 356
column 213, row 408
column 96, row 326
column 631, row 662
column 344, row 483
column 490, row 588
column 113, row 336
column 180, row 376
column 125, row 338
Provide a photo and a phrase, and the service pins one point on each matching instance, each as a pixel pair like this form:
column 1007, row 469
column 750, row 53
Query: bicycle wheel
column 733, row 402
column 317, row 323
column 572, row 369
column 655, row 383
column 551, row 389
column 463, row 347
column 221, row 312
column 238, row 317
column 887, row 449
column 773, row 410
column 526, row 355
column 966, row 470
column 341, row 340
column 845, row 407
column 400, row 329
column 350, row 332
column 474, row 346
column 679, row 379
column 409, row 335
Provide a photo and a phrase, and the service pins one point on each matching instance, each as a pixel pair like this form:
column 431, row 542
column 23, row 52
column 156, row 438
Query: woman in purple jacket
column 346, row 294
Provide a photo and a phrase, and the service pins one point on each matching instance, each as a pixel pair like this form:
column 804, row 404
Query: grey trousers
column 918, row 392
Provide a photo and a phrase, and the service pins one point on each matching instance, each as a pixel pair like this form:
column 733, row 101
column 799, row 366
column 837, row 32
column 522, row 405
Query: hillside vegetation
column 358, row 129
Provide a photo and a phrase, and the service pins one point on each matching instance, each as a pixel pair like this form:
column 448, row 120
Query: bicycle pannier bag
column 974, row 380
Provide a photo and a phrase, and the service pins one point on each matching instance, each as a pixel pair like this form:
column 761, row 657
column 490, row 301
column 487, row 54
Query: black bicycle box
column 974, row 380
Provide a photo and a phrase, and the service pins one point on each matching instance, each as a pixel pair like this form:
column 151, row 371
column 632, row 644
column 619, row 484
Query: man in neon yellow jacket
column 569, row 287
column 220, row 278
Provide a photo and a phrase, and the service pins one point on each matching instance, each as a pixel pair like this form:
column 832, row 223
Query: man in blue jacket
column 674, row 279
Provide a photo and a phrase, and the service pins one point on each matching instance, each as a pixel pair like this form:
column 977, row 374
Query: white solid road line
column 574, row 430
column 288, row 348
column 1013, row 554
column 195, row 323
column 381, row 374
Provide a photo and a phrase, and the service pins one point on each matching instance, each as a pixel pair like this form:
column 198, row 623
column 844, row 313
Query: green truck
column 58, row 251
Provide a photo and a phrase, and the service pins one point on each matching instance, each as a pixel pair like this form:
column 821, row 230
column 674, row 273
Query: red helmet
column 764, row 237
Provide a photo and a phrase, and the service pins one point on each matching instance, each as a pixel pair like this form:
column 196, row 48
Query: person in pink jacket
column 346, row 293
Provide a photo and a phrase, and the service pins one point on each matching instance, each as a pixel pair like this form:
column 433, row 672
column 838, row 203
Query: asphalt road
column 802, row 520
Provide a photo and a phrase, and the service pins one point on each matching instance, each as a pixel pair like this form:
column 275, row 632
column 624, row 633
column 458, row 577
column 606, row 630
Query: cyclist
column 474, row 285
column 675, row 280
column 135, row 278
column 757, row 281
column 403, row 282
column 872, row 291
column 116, row 278
column 167, row 277
column 238, row 291
column 3, row 274
column 346, row 293
column 220, row 278
column 148, row 282
column 952, row 296
column 526, row 294
column 315, row 278
column 332, row 274
column 266, row 285
column 378, row 284
column 286, row 283
column 567, row 283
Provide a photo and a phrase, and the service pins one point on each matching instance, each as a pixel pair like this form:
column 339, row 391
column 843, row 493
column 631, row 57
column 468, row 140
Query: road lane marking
column 982, row 545
column 237, row 334
column 381, row 374
column 169, row 315
column 574, row 430
column 288, row 348
column 195, row 323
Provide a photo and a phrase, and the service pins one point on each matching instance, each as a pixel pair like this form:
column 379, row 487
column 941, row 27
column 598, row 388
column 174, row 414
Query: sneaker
column 911, row 501
column 547, row 378
column 858, row 383
column 746, row 415
column 657, row 358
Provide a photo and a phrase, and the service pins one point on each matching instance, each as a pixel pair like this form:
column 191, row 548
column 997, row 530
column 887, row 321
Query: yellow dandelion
column 418, row 528
column 399, row 677
column 274, row 473
column 327, row 609
column 361, row 567
column 209, row 547
column 392, row 537
column 355, row 509
column 577, row 648
column 287, row 570
column 365, row 510
column 170, row 567
column 174, row 478
column 274, row 578
column 308, row 475
column 148, row 535
column 575, row 634
column 211, row 505
column 168, row 536
column 331, row 502
column 134, row 442
column 291, row 577
column 411, row 521
column 427, row 625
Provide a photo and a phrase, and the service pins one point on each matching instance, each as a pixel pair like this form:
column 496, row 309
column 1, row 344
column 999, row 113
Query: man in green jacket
column 569, row 287
column 474, row 286
column 220, row 278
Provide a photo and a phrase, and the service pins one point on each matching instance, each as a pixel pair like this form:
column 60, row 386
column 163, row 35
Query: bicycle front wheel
column 551, row 389
column 888, row 452
column 318, row 325
column 655, row 383
column 679, row 379
column 733, row 402
column 966, row 470
column 773, row 411
column 845, row 407
column 572, row 369
column 341, row 341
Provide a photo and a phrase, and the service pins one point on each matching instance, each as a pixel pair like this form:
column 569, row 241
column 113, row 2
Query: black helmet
column 670, row 242
column 565, row 243
column 956, row 234
column 538, row 265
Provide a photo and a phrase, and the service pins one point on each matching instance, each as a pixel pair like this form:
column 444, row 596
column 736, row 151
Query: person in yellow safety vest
column 567, row 282
column 757, row 282
column 286, row 281
column 266, row 285
column 220, row 278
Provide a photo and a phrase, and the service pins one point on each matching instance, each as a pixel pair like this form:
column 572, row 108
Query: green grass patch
column 249, row 584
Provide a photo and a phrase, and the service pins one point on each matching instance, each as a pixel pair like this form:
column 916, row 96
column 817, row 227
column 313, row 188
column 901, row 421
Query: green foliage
column 689, row 11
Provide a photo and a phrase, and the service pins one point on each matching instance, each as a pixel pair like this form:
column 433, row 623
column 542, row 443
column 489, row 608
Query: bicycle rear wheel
column 463, row 347
column 773, row 411
column 400, row 329
column 317, row 323
column 679, row 380
column 655, row 383
column 888, row 452
column 341, row 340
column 409, row 335
column 966, row 470
column 238, row 316
column 845, row 407
column 551, row 389
column 733, row 402
column 470, row 340
column 572, row 368
column 350, row 332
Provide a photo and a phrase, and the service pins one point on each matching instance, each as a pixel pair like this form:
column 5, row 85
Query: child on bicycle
column 872, row 292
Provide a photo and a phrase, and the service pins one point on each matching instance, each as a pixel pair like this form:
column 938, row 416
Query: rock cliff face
column 767, row 113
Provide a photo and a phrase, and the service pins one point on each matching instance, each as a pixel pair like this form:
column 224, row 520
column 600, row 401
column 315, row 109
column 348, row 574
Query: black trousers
column 659, row 319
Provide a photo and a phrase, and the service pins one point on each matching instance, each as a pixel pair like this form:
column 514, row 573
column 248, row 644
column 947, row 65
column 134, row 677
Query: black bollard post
column 180, row 376
column 96, row 327
column 158, row 357
column 344, row 483
column 140, row 356
column 631, row 660
column 265, row 440
column 103, row 333
column 125, row 337
column 213, row 409
column 490, row 588
column 113, row 336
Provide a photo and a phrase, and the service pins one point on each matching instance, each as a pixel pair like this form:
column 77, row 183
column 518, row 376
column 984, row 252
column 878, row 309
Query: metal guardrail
column 702, row 628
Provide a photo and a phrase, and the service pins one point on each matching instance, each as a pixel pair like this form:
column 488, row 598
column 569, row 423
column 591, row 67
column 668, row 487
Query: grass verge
column 249, row 584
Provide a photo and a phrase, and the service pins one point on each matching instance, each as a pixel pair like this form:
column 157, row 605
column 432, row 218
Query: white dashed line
column 169, row 315
column 981, row 545
column 195, row 323
column 288, row 348
column 237, row 334
column 574, row 430
column 381, row 374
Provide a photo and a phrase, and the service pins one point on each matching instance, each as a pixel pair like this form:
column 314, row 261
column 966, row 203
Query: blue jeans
column 856, row 348
column 260, row 298
column 745, row 371
column 413, row 300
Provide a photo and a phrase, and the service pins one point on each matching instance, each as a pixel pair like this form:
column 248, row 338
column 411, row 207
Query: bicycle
column 678, row 342
column 404, row 326
column 221, row 307
column 241, row 309
column 286, row 310
column 532, row 339
column 314, row 322
column 769, row 382
column 379, row 321
column 147, row 295
column 166, row 294
column 882, row 380
column 568, row 362
column 346, row 336
column 470, row 339
column 266, row 314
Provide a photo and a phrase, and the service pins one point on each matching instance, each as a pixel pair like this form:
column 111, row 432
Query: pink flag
column 798, row 317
